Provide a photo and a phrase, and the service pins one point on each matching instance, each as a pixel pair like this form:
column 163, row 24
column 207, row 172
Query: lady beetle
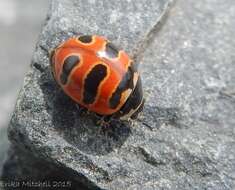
column 98, row 76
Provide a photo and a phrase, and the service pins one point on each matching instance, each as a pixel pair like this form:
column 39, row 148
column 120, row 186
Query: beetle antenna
column 145, row 124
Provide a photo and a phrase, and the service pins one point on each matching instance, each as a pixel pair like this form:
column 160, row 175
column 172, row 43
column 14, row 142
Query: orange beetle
column 98, row 76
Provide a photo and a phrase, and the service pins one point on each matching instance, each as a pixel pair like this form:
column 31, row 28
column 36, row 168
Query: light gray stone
column 190, row 67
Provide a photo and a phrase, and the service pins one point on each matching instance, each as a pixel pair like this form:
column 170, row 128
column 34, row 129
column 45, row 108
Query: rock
column 185, row 137
column 48, row 134
column 23, row 170
column 4, row 146
column 127, row 23
column 188, row 71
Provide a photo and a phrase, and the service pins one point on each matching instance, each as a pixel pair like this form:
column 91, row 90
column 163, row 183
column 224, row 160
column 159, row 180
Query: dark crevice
column 154, row 117
column 147, row 157
column 38, row 66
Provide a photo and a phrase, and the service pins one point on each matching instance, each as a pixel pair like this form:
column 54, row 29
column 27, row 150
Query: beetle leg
column 81, row 110
column 145, row 124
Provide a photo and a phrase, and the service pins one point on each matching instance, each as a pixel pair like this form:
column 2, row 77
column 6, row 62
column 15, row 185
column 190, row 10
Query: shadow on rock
column 155, row 117
column 23, row 171
column 76, row 127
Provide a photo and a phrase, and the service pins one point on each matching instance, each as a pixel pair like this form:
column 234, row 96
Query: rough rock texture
column 127, row 23
column 185, row 138
column 4, row 144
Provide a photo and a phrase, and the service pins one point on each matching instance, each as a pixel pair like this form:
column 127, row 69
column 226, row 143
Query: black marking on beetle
column 126, row 83
column 85, row 39
column 111, row 50
column 69, row 63
column 133, row 102
column 92, row 82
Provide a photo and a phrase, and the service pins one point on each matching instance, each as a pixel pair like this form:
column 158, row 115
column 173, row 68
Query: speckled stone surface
column 3, row 147
column 185, row 137
column 127, row 23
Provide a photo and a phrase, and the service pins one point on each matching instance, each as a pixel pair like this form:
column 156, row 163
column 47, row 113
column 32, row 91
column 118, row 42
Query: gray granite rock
column 189, row 69
column 23, row 170
column 185, row 137
column 4, row 144
column 47, row 132
column 127, row 23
